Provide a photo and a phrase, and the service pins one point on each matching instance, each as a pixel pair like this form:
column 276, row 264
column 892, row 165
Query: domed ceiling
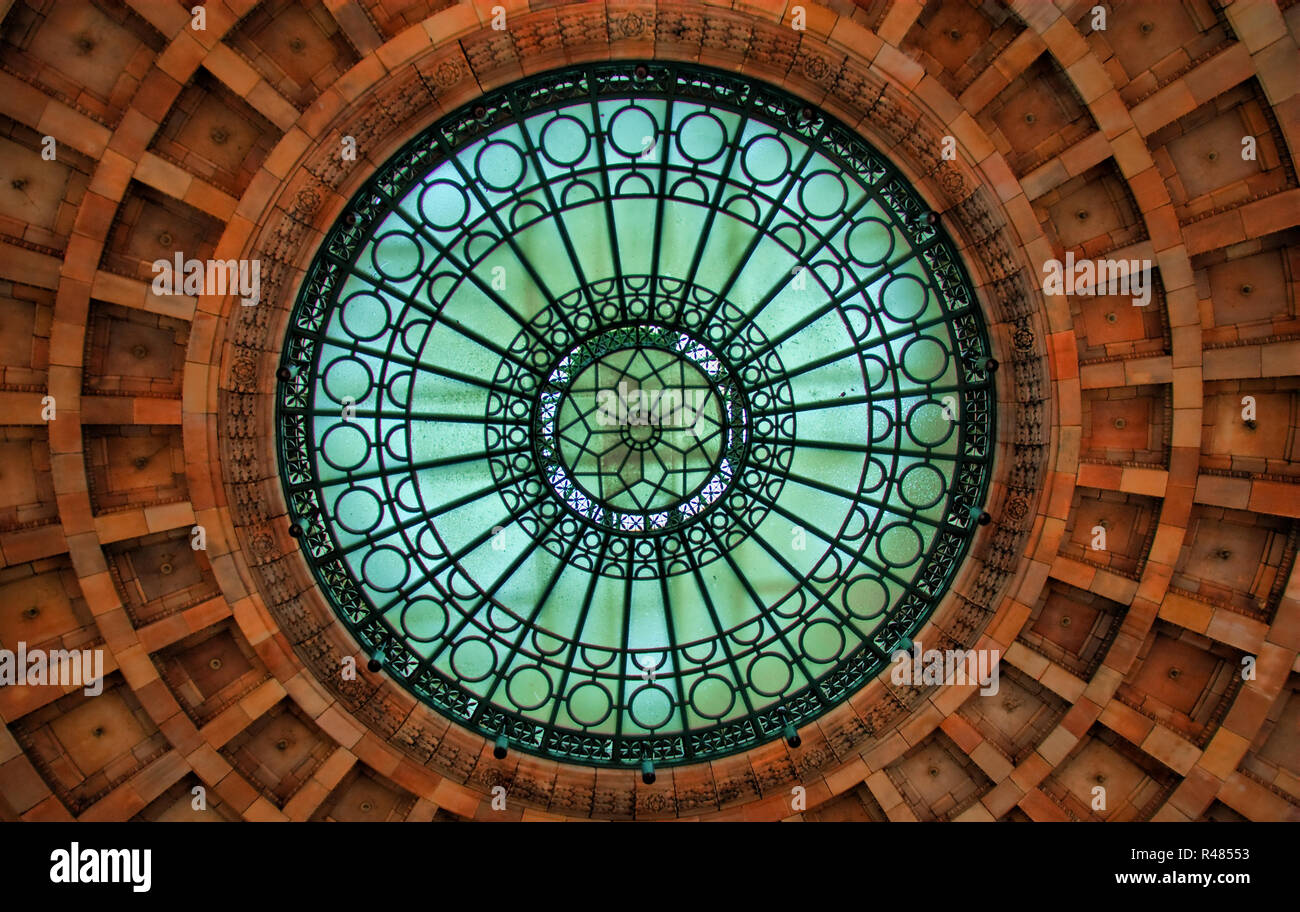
column 593, row 542
column 438, row 411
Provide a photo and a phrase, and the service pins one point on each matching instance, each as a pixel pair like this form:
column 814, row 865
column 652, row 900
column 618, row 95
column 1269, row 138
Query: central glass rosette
column 641, row 427
column 635, row 415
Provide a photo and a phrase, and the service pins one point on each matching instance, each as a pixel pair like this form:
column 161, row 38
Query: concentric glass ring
column 635, row 412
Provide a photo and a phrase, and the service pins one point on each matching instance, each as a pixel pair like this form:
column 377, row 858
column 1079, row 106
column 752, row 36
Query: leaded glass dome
column 635, row 412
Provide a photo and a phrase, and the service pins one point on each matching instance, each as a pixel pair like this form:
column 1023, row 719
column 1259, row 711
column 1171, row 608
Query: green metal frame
column 610, row 596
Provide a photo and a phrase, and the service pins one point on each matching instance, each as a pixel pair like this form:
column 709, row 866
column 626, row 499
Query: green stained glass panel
column 635, row 413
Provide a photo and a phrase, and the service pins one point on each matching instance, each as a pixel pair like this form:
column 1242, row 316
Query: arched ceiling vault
column 1119, row 667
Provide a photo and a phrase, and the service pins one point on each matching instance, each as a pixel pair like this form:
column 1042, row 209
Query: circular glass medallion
column 635, row 415
column 640, row 428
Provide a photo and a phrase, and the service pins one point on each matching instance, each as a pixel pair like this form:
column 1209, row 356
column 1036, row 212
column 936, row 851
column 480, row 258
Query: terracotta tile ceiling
column 1120, row 667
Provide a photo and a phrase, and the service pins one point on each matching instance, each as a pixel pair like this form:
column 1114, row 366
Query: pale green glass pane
column 528, row 572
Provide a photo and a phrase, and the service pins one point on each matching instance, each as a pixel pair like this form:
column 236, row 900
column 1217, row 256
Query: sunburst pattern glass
column 635, row 413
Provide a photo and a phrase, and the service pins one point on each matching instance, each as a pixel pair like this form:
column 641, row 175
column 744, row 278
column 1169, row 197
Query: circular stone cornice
column 264, row 576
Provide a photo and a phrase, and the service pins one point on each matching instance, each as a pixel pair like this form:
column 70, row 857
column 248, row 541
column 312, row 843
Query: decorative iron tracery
column 680, row 219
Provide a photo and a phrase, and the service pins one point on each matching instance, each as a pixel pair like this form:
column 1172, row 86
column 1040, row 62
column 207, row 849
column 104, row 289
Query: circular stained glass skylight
column 635, row 413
